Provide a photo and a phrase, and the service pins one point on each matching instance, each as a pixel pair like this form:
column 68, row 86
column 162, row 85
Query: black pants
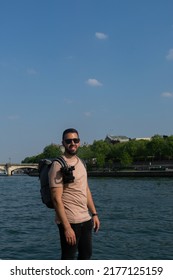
column 83, row 246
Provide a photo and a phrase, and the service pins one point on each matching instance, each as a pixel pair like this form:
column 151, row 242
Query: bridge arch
column 22, row 168
column 10, row 168
column 2, row 169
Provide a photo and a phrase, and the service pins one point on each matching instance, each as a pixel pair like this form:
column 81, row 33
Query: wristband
column 94, row 214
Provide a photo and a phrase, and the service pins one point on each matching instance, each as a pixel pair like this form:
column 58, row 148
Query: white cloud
column 94, row 83
column 31, row 71
column 87, row 114
column 167, row 94
column 101, row 36
column 68, row 101
column 13, row 117
column 70, row 57
column 170, row 55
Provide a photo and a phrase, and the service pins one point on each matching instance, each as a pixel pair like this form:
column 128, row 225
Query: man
column 73, row 202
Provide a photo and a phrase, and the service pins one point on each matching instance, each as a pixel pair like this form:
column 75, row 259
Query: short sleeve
column 55, row 175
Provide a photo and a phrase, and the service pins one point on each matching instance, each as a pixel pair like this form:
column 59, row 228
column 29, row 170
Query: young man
column 73, row 202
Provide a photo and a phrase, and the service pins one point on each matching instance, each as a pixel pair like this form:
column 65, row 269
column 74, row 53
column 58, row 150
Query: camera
column 67, row 173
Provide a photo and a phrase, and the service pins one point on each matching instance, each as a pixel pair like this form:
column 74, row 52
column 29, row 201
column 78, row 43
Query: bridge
column 9, row 168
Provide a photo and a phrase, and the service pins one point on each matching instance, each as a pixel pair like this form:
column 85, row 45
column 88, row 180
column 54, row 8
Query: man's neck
column 67, row 155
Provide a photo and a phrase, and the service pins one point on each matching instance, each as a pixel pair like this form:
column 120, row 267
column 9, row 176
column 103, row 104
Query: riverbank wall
column 129, row 173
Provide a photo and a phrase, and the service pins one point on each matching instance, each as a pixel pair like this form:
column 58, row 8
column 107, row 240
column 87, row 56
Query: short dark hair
column 69, row 130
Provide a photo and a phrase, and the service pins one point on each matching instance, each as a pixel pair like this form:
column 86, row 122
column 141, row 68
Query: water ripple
column 136, row 219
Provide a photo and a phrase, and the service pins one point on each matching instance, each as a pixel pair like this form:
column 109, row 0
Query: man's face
column 71, row 143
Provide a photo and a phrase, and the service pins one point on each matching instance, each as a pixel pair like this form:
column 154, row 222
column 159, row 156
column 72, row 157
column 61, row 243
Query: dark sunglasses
column 69, row 141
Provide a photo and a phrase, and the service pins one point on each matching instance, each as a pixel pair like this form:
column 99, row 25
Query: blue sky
column 101, row 66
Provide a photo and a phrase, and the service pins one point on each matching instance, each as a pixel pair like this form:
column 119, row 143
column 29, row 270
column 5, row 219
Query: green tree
column 126, row 159
column 155, row 147
column 131, row 148
column 85, row 152
column 106, row 154
column 141, row 150
column 168, row 148
column 52, row 151
column 100, row 149
column 114, row 154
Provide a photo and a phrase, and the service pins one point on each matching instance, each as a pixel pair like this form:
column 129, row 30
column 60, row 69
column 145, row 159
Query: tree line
column 102, row 154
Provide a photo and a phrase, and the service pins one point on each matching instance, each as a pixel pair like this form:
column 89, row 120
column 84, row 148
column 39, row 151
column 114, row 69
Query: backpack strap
column 64, row 164
column 61, row 161
column 49, row 162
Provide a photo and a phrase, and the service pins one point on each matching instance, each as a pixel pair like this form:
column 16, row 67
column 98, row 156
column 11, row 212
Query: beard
column 70, row 151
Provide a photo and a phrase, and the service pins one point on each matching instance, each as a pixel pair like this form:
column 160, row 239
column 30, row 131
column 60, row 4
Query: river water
column 136, row 219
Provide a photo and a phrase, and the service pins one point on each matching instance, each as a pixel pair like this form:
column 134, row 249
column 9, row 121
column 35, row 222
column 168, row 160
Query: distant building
column 142, row 138
column 116, row 139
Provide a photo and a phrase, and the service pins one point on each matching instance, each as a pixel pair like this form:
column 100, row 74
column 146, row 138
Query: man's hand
column 70, row 236
column 96, row 223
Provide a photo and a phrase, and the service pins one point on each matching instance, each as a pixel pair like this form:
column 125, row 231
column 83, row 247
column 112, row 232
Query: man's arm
column 56, row 187
column 92, row 209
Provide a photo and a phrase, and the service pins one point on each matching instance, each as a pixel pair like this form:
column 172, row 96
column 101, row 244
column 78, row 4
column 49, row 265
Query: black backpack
column 43, row 169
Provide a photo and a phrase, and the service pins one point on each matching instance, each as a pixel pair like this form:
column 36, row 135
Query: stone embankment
column 131, row 173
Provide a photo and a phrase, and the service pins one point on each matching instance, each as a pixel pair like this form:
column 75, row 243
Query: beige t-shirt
column 74, row 195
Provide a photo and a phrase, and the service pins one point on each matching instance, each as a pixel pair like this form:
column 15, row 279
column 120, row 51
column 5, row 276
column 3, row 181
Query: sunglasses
column 69, row 141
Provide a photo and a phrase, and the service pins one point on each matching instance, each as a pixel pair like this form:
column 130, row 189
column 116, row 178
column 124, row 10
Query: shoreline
column 133, row 173
column 115, row 174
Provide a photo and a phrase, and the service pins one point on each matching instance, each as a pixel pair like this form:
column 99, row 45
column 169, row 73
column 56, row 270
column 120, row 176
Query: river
column 136, row 217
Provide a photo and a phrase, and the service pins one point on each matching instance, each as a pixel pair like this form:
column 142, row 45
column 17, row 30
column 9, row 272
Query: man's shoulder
column 55, row 165
column 82, row 161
